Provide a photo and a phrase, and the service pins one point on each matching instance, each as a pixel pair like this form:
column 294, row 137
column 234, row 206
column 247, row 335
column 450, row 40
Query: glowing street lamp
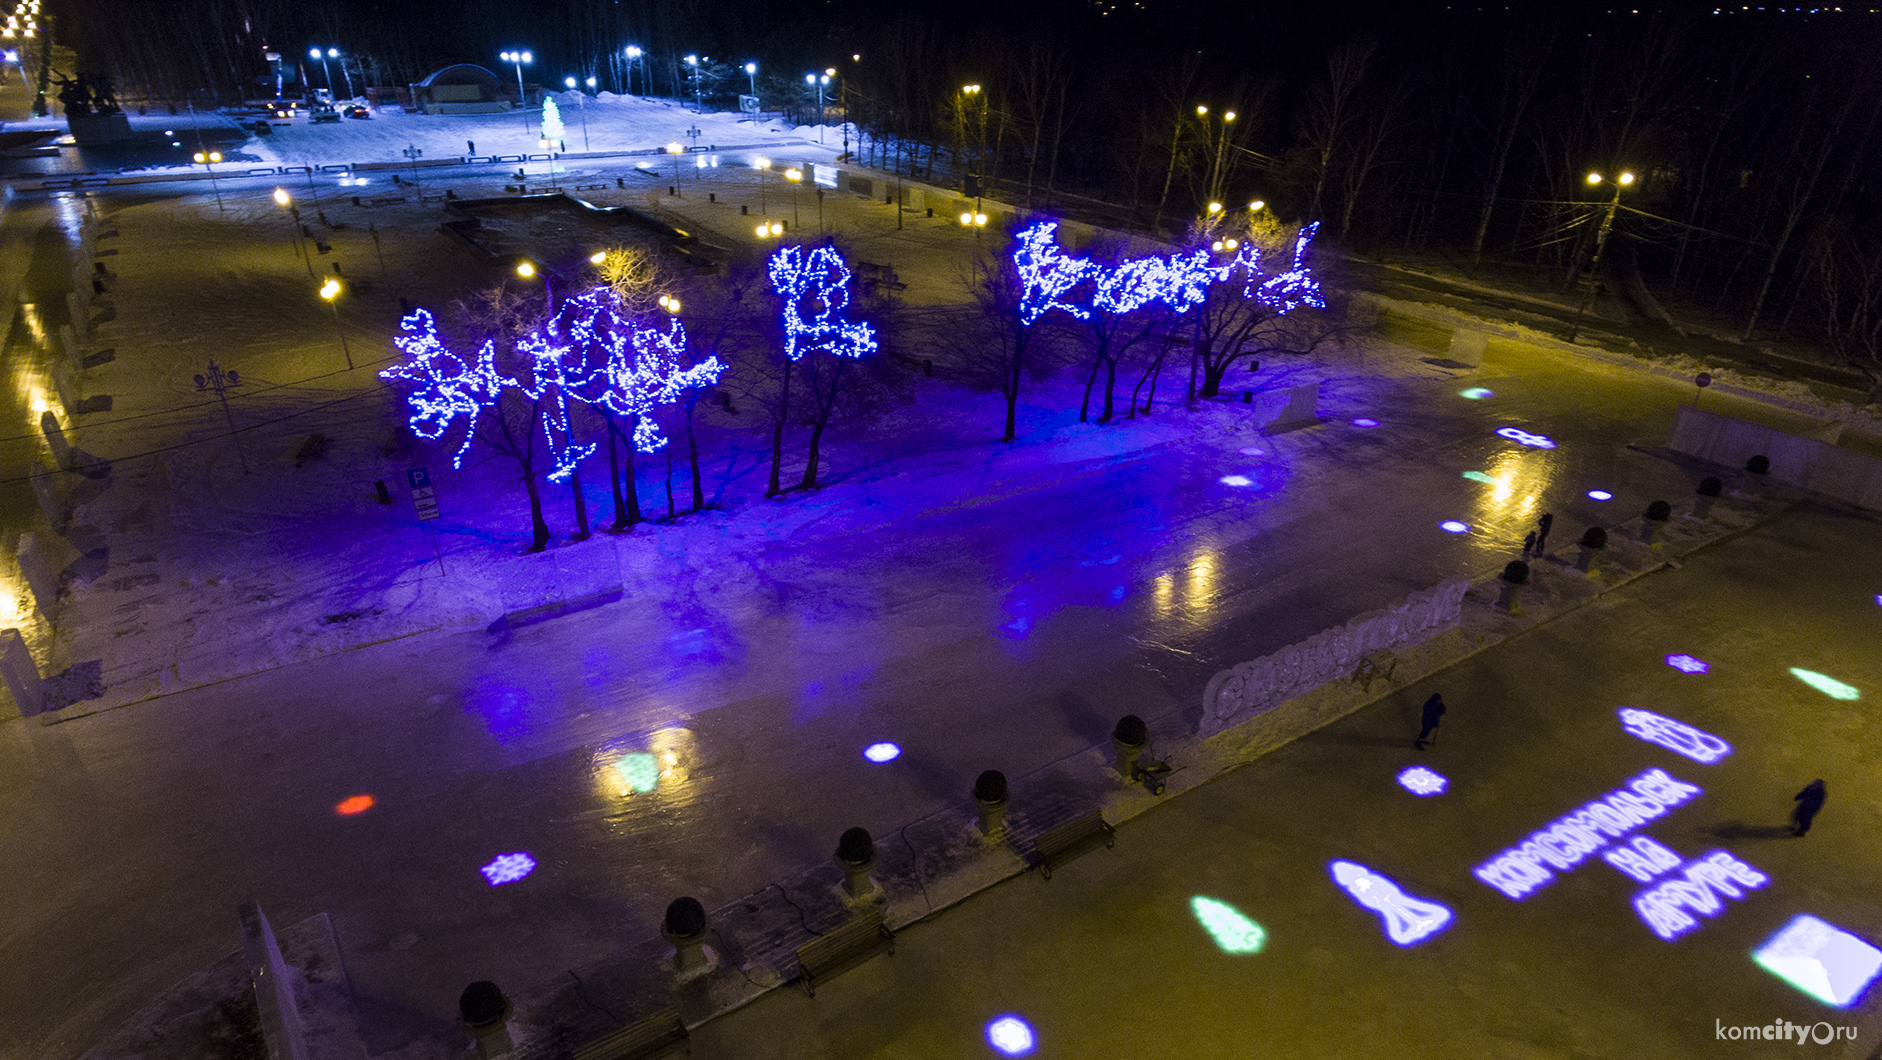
column 764, row 168
column 676, row 150
column 1216, row 175
column 208, row 160
column 975, row 220
column 770, row 229
column 517, row 59
column 818, row 83
column 13, row 56
column 330, row 291
column 581, row 105
column 795, row 176
column 316, row 53
column 633, row 54
column 286, row 202
column 670, row 303
column 751, row 71
column 334, row 53
column 1600, row 243
column 699, row 97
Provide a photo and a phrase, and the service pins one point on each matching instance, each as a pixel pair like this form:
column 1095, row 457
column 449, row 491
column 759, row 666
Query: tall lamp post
column 517, row 59
column 1600, row 244
column 330, row 291
column 764, row 174
column 699, row 100
column 1216, row 176
column 813, row 81
column 676, row 149
column 208, row 160
column 334, row 53
column 795, row 176
column 316, row 53
column 633, row 54
column 751, row 71
column 968, row 92
column 581, row 105
column 286, row 202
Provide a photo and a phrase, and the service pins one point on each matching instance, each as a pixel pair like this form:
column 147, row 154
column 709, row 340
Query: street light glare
column 1256, row 205
column 281, row 197
column 598, row 257
column 1215, row 207
column 1627, row 178
column 313, row 53
column 1594, row 178
column 1228, row 116
column 330, row 289
column 674, row 148
column 526, row 269
column 1202, row 110
column 569, row 81
column 751, row 68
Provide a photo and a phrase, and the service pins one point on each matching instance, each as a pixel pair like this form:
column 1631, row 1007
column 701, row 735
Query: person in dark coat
column 1542, row 531
column 1434, row 710
column 1529, row 544
column 1809, row 802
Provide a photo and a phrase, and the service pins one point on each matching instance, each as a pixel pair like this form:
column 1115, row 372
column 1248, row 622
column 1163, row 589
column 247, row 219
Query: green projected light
column 1825, row 684
column 1232, row 931
column 1476, row 393
column 640, row 771
column 1478, row 476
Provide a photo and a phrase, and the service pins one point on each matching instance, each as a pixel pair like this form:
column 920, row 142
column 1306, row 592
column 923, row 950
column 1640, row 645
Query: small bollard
column 856, row 855
column 1759, row 465
column 744, row 210
column 485, row 1013
column 1708, row 492
column 385, row 495
column 991, row 798
column 673, row 189
column 1656, row 514
column 725, row 401
column 1593, row 540
column 620, row 182
column 684, row 928
column 1127, row 744
column 927, row 367
column 1515, row 575
column 712, row 196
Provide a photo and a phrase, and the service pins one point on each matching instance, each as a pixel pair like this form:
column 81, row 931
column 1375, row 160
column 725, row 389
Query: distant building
column 461, row 89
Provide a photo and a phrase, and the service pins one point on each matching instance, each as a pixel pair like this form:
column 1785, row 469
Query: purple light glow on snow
column 1365, row 421
column 1255, row 450
column 1010, row 1036
column 508, row 868
column 1522, row 437
column 1565, row 842
column 1452, row 526
column 1237, row 481
column 881, row 752
column 1687, row 664
column 1421, row 781
column 1600, row 495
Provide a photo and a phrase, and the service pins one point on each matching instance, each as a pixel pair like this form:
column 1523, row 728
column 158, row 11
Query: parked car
column 323, row 112
column 283, row 110
column 358, row 111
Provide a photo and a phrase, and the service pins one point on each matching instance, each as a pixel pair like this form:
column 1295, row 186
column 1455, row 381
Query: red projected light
column 356, row 804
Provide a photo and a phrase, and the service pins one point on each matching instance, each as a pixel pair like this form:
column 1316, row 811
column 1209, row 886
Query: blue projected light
column 1703, row 887
column 508, row 868
column 1452, row 526
column 1565, row 842
column 1010, row 1036
column 1687, row 664
column 1824, row 961
column 1600, row 495
column 1522, row 437
column 1237, row 481
column 1421, row 781
column 1365, row 421
column 1407, row 920
column 1255, row 450
column 882, row 752
column 1676, row 736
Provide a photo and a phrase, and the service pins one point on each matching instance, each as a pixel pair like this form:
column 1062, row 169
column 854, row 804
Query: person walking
column 1809, row 803
column 1434, row 711
column 1542, row 531
column 1529, row 544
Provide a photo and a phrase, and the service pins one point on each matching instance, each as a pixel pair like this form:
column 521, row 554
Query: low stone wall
column 1240, row 693
column 1813, row 463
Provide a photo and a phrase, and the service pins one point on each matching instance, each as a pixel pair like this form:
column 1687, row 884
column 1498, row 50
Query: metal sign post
column 425, row 502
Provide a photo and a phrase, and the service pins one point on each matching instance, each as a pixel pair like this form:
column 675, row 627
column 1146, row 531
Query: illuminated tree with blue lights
column 812, row 285
column 1250, row 310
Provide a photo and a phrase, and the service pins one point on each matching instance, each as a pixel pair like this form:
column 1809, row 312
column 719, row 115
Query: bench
column 383, row 200
column 590, row 187
column 644, row 1039
column 845, row 948
column 1074, row 838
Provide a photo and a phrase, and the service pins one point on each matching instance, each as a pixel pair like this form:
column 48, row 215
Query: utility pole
column 1600, row 244
column 220, row 382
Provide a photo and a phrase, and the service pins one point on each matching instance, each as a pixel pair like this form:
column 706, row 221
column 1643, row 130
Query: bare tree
column 1326, row 120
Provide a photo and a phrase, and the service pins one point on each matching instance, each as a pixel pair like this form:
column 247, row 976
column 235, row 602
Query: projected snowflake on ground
column 1365, row 421
column 1600, row 495
column 1701, row 888
column 1011, row 1036
column 1421, row 781
column 1675, row 736
column 881, row 752
column 1687, row 664
column 1567, row 841
column 1824, row 961
column 1407, row 920
column 508, row 868
column 1522, row 437
column 1232, row 931
column 1237, row 481
column 1452, row 526
column 1826, row 684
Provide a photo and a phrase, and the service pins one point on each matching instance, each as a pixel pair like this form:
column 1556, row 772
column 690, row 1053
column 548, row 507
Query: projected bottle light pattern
column 1822, row 960
column 1687, row 664
column 882, row 752
column 508, row 868
column 1567, row 841
column 1675, row 736
column 1238, row 481
column 1476, row 393
column 1826, row 684
column 1233, row 932
column 1010, row 1036
column 1407, row 920
column 1522, row 437
column 1702, row 888
column 1422, row 781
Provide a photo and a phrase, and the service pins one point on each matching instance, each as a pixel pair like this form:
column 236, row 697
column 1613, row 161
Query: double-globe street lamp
column 1600, row 244
column 581, row 104
column 517, row 59
column 814, row 81
column 208, row 160
column 633, row 56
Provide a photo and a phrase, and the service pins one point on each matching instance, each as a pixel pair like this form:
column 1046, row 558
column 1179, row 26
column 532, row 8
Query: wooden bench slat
column 844, row 948
column 1078, row 836
column 644, row 1039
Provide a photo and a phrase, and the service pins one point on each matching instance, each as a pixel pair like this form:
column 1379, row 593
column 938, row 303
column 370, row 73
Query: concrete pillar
column 991, row 799
column 1127, row 744
column 484, row 1013
column 21, row 674
column 1708, row 492
column 1654, row 521
column 856, row 855
column 684, row 928
column 1515, row 575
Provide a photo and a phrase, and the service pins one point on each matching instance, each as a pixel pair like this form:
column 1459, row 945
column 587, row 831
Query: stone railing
column 1238, row 694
